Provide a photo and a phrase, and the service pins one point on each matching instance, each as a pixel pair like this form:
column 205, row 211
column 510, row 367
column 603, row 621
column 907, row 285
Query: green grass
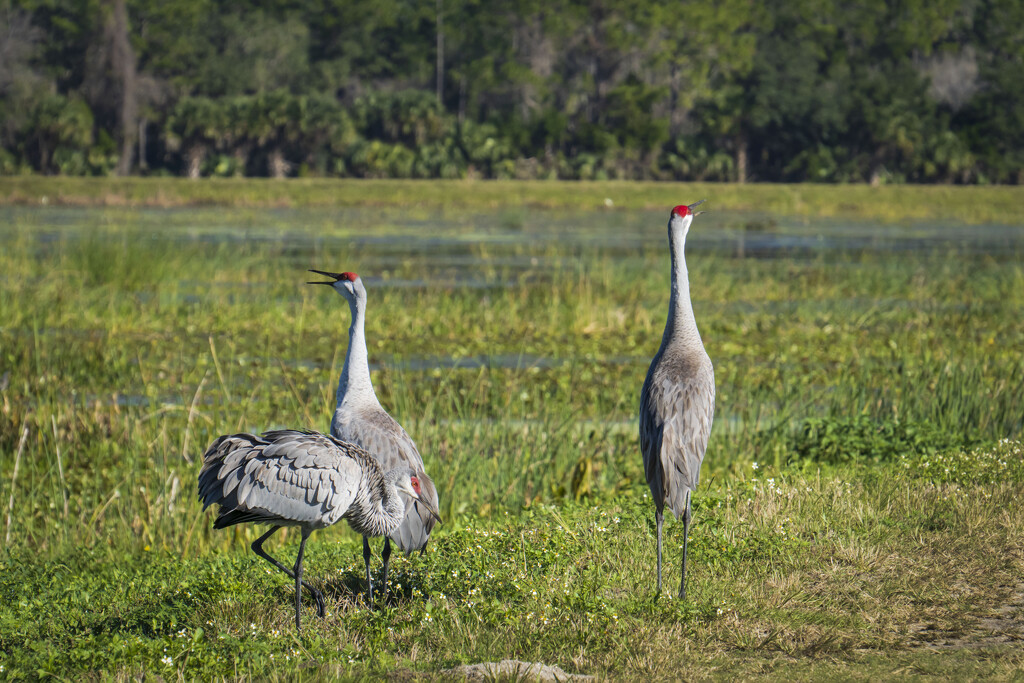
column 997, row 204
column 864, row 569
column 872, row 383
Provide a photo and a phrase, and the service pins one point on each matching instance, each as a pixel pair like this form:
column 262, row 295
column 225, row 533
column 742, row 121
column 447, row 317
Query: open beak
column 430, row 509
column 697, row 213
column 336, row 276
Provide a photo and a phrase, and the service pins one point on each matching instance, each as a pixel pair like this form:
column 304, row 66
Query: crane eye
column 415, row 484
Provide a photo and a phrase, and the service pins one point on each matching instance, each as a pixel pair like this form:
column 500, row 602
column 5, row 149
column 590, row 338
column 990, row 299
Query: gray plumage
column 359, row 418
column 677, row 402
column 304, row 479
column 384, row 438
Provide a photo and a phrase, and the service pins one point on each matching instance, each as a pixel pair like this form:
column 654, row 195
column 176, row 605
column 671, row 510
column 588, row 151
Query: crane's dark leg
column 298, row 580
column 369, row 580
column 658, row 519
column 686, row 539
column 257, row 547
column 387, row 556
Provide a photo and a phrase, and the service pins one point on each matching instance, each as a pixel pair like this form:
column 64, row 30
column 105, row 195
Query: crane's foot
column 321, row 606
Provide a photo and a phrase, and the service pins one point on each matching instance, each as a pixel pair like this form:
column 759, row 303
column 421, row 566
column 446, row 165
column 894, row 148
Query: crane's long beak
column 690, row 207
column 336, row 276
column 429, row 508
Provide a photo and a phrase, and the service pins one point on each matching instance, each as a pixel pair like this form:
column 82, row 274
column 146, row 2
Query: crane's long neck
column 378, row 508
column 355, row 376
column 681, row 327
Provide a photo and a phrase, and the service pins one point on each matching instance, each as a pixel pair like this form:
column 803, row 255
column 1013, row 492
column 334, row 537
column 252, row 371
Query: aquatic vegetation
column 871, row 372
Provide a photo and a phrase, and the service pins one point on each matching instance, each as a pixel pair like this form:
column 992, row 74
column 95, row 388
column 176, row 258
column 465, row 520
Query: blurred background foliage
column 821, row 91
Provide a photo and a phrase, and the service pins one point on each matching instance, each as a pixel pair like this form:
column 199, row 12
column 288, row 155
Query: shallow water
column 453, row 240
column 472, row 250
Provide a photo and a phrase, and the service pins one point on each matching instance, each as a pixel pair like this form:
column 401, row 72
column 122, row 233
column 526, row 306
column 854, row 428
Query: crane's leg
column 298, row 580
column 369, row 580
column 658, row 519
column 387, row 556
column 686, row 539
column 257, row 547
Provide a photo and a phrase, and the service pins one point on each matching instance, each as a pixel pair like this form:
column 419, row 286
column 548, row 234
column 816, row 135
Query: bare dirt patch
column 1002, row 626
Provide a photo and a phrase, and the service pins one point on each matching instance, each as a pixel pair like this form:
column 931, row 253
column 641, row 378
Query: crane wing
column 676, row 410
column 381, row 436
column 281, row 477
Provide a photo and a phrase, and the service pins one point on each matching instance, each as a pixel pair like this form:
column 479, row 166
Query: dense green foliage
column 841, row 527
column 844, row 439
column 856, row 569
column 778, row 91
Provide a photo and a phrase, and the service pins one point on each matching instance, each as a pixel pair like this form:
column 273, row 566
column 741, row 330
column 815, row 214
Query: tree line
column 732, row 90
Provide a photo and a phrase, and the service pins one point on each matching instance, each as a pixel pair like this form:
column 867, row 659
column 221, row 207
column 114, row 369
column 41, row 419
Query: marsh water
column 517, row 331
column 479, row 251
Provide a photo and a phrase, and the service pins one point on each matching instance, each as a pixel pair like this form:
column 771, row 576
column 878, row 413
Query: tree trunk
column 741, row 159
column 44, row 156
column 675, row 117
column 123, row 63
column 462, row 99
column 439, row 86
column 277, row 165
column 142, row 144
column 194, row 156
column 241, row 156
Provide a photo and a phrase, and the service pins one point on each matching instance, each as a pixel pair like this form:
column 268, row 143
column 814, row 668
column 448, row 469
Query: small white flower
column 754, row 466
column 167, row 661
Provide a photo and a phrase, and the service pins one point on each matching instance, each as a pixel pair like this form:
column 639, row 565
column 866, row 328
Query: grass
column 871, row 371
column 997, row 204
column 797, row 573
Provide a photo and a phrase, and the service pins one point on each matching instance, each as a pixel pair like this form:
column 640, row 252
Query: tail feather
column 232, row 517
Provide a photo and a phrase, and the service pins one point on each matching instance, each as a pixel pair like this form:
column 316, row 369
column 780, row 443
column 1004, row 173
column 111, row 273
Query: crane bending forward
column 677, row 402
column 359, row 418
column 304, row 479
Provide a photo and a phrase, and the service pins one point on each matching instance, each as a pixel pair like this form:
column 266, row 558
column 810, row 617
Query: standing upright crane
column 677, row 402
column 360, row 419
column 304, row 479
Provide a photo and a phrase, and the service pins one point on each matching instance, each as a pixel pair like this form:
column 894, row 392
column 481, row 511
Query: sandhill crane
column 304, row 479
column 360, row 419
column 677, row 401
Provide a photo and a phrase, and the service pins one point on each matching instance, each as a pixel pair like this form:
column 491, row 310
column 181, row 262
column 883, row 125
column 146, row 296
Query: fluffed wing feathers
column 282, row 477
